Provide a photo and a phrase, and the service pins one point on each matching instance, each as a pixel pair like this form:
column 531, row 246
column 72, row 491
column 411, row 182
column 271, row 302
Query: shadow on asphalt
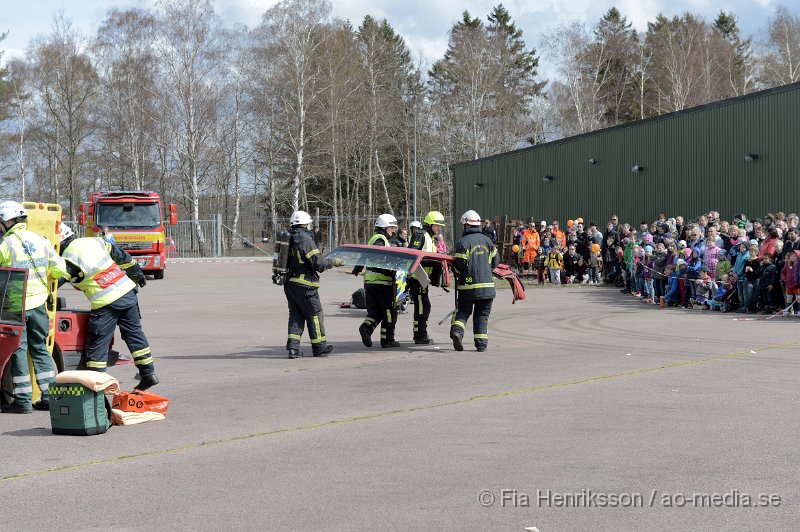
column 39, row 431
column 278, row 352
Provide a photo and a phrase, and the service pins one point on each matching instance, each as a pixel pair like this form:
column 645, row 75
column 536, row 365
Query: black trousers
column 124, row 312
column 380, row 310
column 305, row 307
column 480, row 322
column 422, row 309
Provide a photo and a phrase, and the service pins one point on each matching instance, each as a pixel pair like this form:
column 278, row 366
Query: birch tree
column 128, row 68
column 781, row 48
column 66, row 85
column 187, row 43
column 291, row 35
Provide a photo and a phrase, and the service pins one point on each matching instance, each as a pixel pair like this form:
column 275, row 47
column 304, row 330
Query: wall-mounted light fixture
column 636, row 169
column 548, row 178
column 478, row 185
column 592, row 161
column 750, row 157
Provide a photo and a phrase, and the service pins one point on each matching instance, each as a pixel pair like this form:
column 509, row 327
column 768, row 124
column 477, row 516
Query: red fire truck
column 135, row 219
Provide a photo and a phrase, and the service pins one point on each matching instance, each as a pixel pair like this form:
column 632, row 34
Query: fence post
column 218, row 230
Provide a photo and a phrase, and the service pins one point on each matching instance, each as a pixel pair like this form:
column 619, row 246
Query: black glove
column 142, row 281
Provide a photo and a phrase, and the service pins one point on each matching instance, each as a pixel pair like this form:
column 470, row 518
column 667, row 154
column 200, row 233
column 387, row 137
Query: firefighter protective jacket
column 423, row 240
column 475, row 258
column 102, row 271
column 305, row 260
column 378, row 276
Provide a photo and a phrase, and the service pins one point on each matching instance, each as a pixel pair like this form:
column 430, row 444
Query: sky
column 423, row 23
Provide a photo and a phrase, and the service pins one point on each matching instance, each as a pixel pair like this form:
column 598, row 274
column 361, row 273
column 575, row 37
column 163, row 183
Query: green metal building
column 737, row 155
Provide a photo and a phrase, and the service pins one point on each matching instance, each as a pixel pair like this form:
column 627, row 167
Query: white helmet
column 65, row 232
column 386, row 220
column 11, row 210
column 300, row 218
column 416, row 224
column 470, row 218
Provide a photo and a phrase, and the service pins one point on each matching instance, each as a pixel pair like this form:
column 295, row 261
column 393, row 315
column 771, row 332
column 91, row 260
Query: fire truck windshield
column 128, row 215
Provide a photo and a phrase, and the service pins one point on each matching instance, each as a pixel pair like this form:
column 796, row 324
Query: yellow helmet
column 434, row 218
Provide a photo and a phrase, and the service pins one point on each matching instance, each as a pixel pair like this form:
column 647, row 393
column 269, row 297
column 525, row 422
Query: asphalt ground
column 590, row 411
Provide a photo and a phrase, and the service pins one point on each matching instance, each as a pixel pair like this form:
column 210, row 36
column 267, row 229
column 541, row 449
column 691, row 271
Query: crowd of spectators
column 745, row 265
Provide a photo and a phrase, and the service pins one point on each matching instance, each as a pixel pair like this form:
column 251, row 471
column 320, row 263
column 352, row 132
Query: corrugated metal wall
column 694, row 161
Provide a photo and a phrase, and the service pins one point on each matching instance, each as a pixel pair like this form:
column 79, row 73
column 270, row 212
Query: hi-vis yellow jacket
column 100, row 270
column 21, row 248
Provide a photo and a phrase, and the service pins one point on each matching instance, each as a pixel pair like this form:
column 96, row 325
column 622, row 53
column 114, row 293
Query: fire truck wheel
column 158, row 274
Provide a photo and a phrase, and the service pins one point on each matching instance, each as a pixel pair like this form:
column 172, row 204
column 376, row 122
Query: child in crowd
column 555, row 262
column 627, row 257
column 673, row 292
column 693, row 265
column 705, row 288
column 788, row 277
column 638, row 282
column 723, row 265
column 771, row 297
column 648, row 266
column 581, row 271
column 660, row 262
column 711, row 255
column 742, row 255
column 726, row 292
column 595, row 264
column 752, row 274
column 441, row 245
column 541, row 259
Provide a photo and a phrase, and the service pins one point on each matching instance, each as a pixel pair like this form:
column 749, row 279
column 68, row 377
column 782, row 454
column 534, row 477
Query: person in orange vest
column 530, row 246
column 559, row 235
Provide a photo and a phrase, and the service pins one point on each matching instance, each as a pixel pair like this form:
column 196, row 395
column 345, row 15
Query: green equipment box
column 77, row 410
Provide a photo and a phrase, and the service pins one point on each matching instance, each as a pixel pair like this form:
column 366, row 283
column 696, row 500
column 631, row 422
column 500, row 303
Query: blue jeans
column 658, row 285
column 648, row 288
column 741, row 292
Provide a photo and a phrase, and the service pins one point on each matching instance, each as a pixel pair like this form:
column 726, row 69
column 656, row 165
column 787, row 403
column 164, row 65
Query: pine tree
column 614, row 47
column 740, row 60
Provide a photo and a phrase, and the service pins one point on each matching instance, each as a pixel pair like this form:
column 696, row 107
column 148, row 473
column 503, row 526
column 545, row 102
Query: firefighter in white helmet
column 108, row 276
column 302, row 288
column 379, row 288
column 475, row 258
column 21, row 248
column 424, row 241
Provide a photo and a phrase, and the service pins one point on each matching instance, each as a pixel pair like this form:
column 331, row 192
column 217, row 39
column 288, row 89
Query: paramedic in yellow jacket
column 107, row 276
column 21, row 248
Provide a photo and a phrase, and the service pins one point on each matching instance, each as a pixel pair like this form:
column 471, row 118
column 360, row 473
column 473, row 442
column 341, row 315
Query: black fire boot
column 146, row 383
column 457, row 345
column 295, row 353
column 325, row 351
column 365, row 335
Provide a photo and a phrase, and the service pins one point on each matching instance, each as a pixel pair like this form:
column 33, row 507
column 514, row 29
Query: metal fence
column 256, row 237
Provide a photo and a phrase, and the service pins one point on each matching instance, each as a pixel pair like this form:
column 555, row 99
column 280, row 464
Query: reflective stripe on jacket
column 305, row 259
column 104, row 281
column 475, row 258
column 15, row 247
column 374, row 275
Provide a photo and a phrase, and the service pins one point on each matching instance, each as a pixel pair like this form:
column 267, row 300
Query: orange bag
column 128, row 402
column 140, row 402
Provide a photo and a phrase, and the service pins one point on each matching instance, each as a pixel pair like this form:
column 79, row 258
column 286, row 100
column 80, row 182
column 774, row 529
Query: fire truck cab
column 135, row 221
